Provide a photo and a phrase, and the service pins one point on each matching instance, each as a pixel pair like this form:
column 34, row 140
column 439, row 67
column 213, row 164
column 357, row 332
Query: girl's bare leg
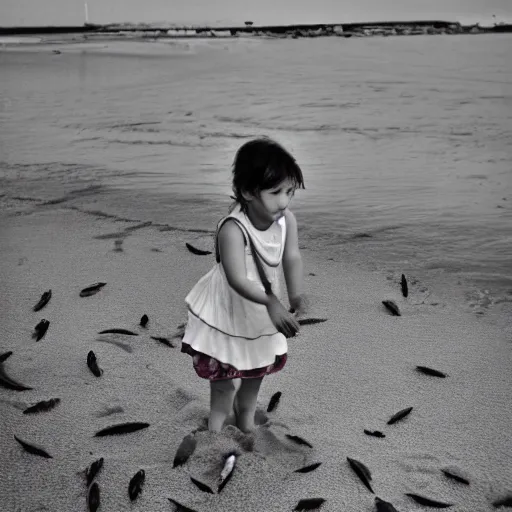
column 222, row 393
column 245, row 403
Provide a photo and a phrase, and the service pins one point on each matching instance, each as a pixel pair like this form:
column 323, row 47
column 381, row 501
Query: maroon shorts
column 210, row 368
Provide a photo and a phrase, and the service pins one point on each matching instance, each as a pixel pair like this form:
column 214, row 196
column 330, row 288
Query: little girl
column 237, row 327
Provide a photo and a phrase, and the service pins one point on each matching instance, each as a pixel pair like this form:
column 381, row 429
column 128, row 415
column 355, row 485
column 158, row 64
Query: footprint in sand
column 256, row 453
column 188, row 409
column 180, row 398
column 266, row 447
column 271, row 443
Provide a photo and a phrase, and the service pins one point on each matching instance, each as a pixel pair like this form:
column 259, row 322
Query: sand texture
column 350, row 373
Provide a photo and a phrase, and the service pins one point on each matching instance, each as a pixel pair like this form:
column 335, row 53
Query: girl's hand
column 284, row 322
column 299, row 305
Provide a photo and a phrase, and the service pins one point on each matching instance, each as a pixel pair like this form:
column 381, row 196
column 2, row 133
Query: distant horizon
column 168, row 24
column 32, row 13
column 220, row 24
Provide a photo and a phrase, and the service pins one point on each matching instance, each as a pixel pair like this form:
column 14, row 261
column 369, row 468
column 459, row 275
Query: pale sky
column 217, row 12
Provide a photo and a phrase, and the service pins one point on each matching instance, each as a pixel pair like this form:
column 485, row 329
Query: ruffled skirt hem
column 209, row 368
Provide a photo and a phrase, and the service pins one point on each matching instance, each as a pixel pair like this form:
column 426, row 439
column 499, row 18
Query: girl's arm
column 292, row 265
column 232, row 255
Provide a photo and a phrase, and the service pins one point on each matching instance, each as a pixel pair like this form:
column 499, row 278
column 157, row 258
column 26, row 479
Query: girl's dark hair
column 261, row 164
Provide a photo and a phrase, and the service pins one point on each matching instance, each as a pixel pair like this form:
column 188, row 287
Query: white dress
column 223, row 324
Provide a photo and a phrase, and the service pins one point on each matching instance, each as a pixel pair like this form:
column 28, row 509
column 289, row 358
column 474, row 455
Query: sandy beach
column 350, row 373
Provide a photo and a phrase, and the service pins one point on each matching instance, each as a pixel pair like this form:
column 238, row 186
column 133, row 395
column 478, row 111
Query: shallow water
column 405, row 142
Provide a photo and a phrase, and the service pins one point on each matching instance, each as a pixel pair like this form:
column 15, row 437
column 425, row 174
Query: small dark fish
column 185, row 450
column 118, row 331
column 91, row 290
column 309, row 504
column 92, row 363
column 200, row 485
column 375, row 433
column 430, row 371
column 136, row 484
column 180, row 507
column 5, row 356
column 399, row 415
column 45, row 298
column 309, row 321
column 503, row 502
column 227, row 470
column 308, row 469
column 165, row 341
column 199, row 252
column 298, row 440
column 427, row 501
column 405, row 288
column 34, row 449
column 362, row 472
column 458, row 478
column 40, row 329
column 274, row 401
column 144, row 320
column 391, row 306
column 7, row 382
column 384, row 506
column 93, row 497
column 42, row 406
column 93, row 470
column 121, row 428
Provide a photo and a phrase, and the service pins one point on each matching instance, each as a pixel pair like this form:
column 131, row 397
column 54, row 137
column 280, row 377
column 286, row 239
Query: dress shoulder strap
column 266, row 283
column 219, row 225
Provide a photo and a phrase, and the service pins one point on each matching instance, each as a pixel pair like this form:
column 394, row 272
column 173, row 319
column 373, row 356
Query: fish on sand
column 45, row 298
column 93, row 470
column 422, row 500
column 92, row 363
column 45, row 405
column 92, row 289
column 227, row 470
column 399, row 415
column 362, row 472
column 136, row 483
column 40, row 329
column 33, row 449
column 194, row 250
column 185, row 450
column 9, row 383
column 309, row 504
column 274, row 401
column 121, row 428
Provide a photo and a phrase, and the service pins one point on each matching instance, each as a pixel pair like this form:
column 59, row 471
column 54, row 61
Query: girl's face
column 269, row 205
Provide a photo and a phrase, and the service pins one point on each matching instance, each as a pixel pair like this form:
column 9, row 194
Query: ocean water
column 405, row 142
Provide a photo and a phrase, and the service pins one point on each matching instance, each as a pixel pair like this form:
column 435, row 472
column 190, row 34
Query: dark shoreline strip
column 89, row 28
